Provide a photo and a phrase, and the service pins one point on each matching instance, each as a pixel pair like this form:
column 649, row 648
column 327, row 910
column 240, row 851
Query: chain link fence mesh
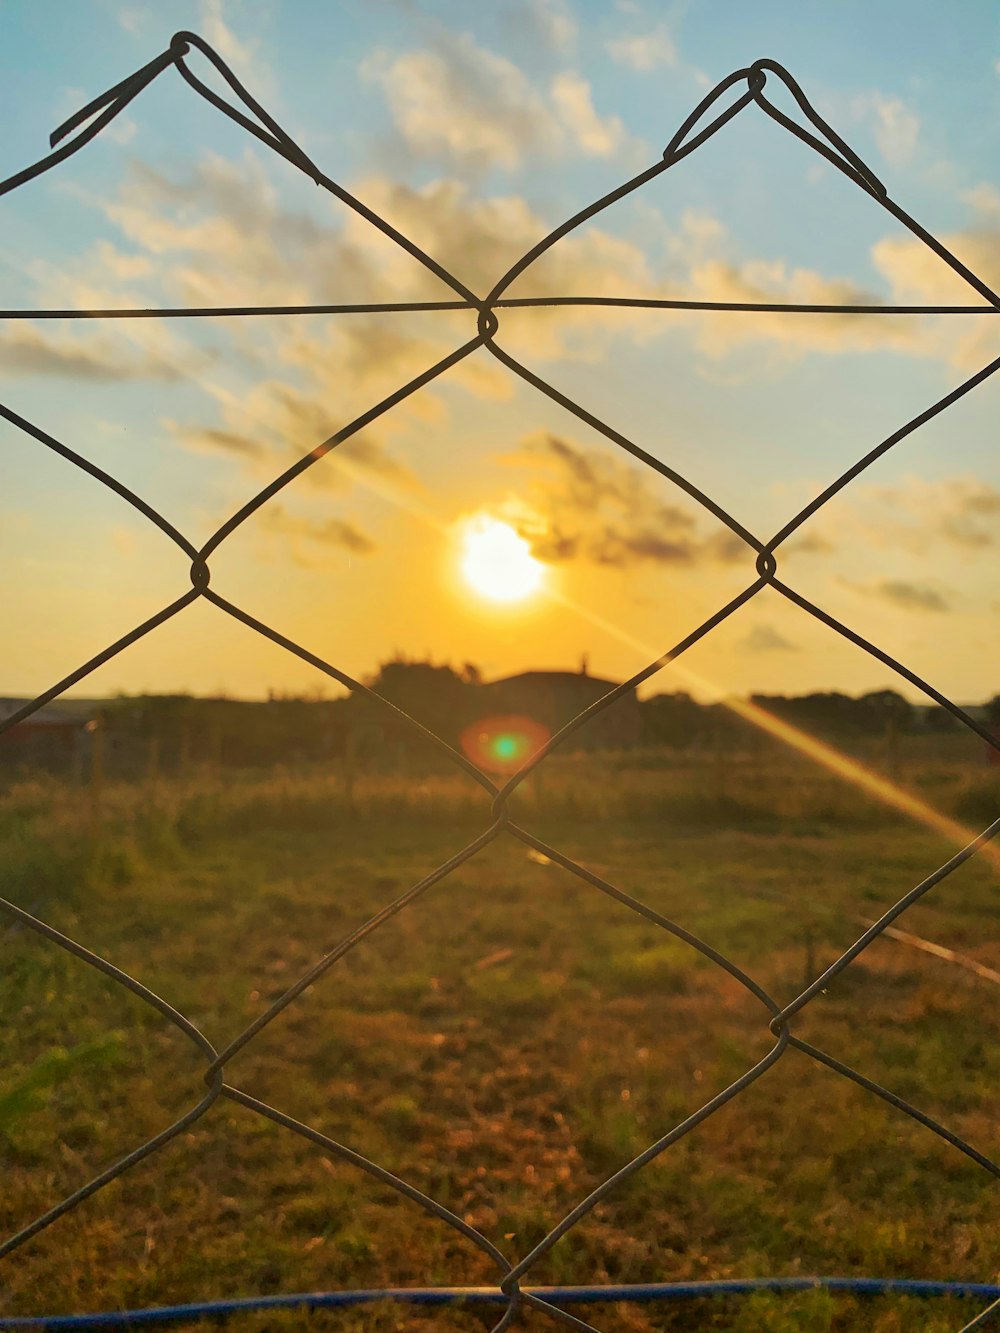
column 732, row 96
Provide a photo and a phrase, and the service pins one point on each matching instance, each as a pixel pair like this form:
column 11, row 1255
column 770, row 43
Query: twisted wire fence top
column 734, row 94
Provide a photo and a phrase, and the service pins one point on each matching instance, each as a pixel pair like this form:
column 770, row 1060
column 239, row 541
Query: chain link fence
column 732, row 96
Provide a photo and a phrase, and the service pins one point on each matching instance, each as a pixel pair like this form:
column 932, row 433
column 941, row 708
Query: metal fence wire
column 745, row 88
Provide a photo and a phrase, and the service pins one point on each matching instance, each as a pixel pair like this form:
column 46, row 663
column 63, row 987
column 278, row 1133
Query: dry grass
column 505, row 1043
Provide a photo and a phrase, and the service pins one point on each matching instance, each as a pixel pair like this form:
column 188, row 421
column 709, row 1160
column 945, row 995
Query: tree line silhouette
column 171, row 733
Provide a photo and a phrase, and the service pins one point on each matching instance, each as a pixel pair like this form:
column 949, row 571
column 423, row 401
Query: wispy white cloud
column 240, row 52
column 983, row 199
column 131, row 19
column 894, row 124
column 916, row 274
column 456, row 102
column 645, row 51
column 479, row 238
column 775, row 282
column 706, row 268
column 288, row 385
column 573, row 101
column 548, row 23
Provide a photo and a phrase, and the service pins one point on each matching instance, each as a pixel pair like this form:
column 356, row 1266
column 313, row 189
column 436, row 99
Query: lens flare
column 502, row 744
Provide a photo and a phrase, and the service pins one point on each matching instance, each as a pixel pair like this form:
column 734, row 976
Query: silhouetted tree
column 437, row 696
column 673, row 720
column 885, row 709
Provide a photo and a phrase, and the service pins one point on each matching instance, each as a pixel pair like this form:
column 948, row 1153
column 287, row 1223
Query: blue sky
column 475, row 130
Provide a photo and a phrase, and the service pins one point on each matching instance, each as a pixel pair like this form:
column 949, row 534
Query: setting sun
column 497, row 562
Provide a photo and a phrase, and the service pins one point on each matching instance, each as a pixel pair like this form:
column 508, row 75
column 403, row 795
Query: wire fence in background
column 745, row 87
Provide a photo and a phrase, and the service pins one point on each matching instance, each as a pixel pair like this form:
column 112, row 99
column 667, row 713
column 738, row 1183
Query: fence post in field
column 153, row 762
column 97, row 777
column 348, row 767
column 809, row 942
column 892, row 747
column 184, row 749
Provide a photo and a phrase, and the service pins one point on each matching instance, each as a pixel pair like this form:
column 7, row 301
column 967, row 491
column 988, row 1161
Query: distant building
column 54, row 737
column 553, row 698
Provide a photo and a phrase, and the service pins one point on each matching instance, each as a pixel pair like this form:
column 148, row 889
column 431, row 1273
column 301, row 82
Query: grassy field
column 504, row 1043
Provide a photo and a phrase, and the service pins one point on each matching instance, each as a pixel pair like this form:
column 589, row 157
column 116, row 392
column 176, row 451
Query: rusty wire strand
column 79, row 130
column 509, row 303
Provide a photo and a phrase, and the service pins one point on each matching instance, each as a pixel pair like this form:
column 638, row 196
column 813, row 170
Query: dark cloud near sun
column 323, row 532
column 764, row 638
column 968, row 523
column 26, row 350
column 296, row 424
column 959, row 512
column 903, row 594
column 592, row 506
column 810, row 542
column 214, row 440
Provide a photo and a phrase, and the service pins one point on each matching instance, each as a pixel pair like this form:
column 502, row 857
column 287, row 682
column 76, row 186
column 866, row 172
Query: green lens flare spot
column 505, row 747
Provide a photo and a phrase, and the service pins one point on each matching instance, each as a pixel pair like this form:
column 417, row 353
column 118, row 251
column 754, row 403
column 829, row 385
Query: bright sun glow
column 497, row 562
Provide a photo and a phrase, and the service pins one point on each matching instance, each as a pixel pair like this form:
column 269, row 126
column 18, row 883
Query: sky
column 475, row 130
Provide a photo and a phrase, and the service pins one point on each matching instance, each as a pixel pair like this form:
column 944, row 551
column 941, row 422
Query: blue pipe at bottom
column 649, row 1291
